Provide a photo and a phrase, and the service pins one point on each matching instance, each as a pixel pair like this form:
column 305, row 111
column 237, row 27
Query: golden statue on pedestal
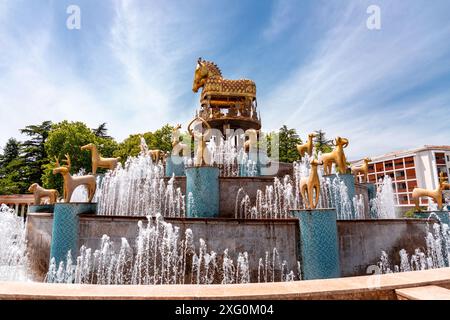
column 225, row 104
column 178, row 146
column 362, row 169
column 202, row 155
column 310, row 186
column 71, row 183
column 435, row 194
column 40, row 193
column 98, row 161
column 336, row 156
column 307, row 146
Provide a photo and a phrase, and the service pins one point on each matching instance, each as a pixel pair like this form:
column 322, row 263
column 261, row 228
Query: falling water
column 13, row 258
column 383, row 206
column 336, row 193
column 161, row 255
column 139, row 188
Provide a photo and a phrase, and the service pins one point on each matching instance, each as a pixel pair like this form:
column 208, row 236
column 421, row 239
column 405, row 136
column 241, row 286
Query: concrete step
column 423, row 293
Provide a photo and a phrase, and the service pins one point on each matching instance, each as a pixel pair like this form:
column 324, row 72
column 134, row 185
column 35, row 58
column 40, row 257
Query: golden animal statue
column 178, row 146
column 251, row 145
column 230, row 102
column 98, row 161
column 41, row 193
column 202, row 155
column 443, row 181
column 435, row 194
column 307, row 146
column 310, row 186
column 71, row 183
column 336, row 156
column 156, row 155
column 362, row 169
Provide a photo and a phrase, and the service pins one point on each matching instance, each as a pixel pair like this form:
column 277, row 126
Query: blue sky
column 315, row 63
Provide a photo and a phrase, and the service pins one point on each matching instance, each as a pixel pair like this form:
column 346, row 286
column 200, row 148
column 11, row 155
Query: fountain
column 165, row 218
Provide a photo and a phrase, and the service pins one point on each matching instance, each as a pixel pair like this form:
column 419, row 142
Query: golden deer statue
column 336, row 156
column 435, row 194
column 178, row 146
column 362, row 169
column 202, row 155
column 250, row 146
column 310, row 186
column 307, row 147
column 40, row 193
column 71, row 183
column 98, row 161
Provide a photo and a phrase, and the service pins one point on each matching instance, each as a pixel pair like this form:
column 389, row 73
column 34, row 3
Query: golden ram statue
column 435, row 194
column 336, row 156
column 202, row 154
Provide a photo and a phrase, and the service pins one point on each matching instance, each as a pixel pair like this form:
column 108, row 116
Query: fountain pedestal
column 65, row 231
column 371, row 190
column 47, row 208
column 202, row 185
column 318, row 244
column 444, row 216
column 175, row 166
column 349, row 181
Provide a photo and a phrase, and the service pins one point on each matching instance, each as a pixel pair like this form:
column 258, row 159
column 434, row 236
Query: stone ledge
column 340, row 288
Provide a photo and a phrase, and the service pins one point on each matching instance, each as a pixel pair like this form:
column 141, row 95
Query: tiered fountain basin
column 359, row 241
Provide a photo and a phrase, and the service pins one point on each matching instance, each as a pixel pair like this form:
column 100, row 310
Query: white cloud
column 350, row 85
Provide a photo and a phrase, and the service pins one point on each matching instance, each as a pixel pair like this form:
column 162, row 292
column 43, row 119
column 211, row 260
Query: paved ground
column 366, row 287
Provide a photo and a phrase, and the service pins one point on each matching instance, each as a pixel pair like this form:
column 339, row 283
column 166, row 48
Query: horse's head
column 204, row 70
column 89, row 146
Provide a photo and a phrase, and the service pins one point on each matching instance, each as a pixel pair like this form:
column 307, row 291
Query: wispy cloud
column 352, row 83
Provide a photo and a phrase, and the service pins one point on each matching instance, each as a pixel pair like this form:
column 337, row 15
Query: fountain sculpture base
column 202, row 190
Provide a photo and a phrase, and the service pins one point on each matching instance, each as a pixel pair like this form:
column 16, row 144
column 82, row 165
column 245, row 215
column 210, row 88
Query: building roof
column 404, row 153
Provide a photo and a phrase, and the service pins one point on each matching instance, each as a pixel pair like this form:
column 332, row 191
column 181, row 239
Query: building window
column 401, row 186
column 409, row 162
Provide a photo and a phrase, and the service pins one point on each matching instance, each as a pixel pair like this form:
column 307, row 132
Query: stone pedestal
column 318, row 246
column 47, row 208
column 349, row 181
column 202, row 186
column 371, row 190
column 65, row 229
column 175, row 166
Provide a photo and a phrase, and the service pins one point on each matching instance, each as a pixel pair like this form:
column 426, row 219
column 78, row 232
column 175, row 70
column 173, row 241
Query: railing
column 18, row 202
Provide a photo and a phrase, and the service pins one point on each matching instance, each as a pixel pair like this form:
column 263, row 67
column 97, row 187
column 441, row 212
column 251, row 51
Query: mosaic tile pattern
column 318, row 247
column 65, row 228
column 203, row 183
column 175, row 165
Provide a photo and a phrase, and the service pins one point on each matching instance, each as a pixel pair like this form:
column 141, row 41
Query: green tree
column 286, row 141
column 67, row 138
column 101, row 131
column 321, row 143
column 161, row 139
column 12, row 169
column 33, row 149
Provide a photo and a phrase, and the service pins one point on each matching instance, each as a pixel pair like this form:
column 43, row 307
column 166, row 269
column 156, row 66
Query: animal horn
column 57, row 162
column 68, row 162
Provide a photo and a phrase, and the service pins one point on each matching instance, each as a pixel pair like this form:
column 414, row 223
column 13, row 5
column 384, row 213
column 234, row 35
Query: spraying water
column 383, row 206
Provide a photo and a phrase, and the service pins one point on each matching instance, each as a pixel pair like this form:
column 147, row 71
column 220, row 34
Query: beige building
column 411, row 168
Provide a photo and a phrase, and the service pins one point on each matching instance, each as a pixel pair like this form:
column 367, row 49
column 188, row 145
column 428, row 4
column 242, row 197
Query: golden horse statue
column 435, row 194
column 362, row 169
column 307, row 146
column 71, row 183
column 310, row 186
column 336, row 156
column 178, row 146
column 202, row 155
column 40, row 193
column 98, row 161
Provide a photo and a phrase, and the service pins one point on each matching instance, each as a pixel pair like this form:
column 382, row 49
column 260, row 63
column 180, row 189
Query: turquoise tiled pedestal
column 175, row 166
column 349, row 181
column 371, row 190
column 48, row 208
column 318, row 247
column 65, row 228
column 202, row 184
